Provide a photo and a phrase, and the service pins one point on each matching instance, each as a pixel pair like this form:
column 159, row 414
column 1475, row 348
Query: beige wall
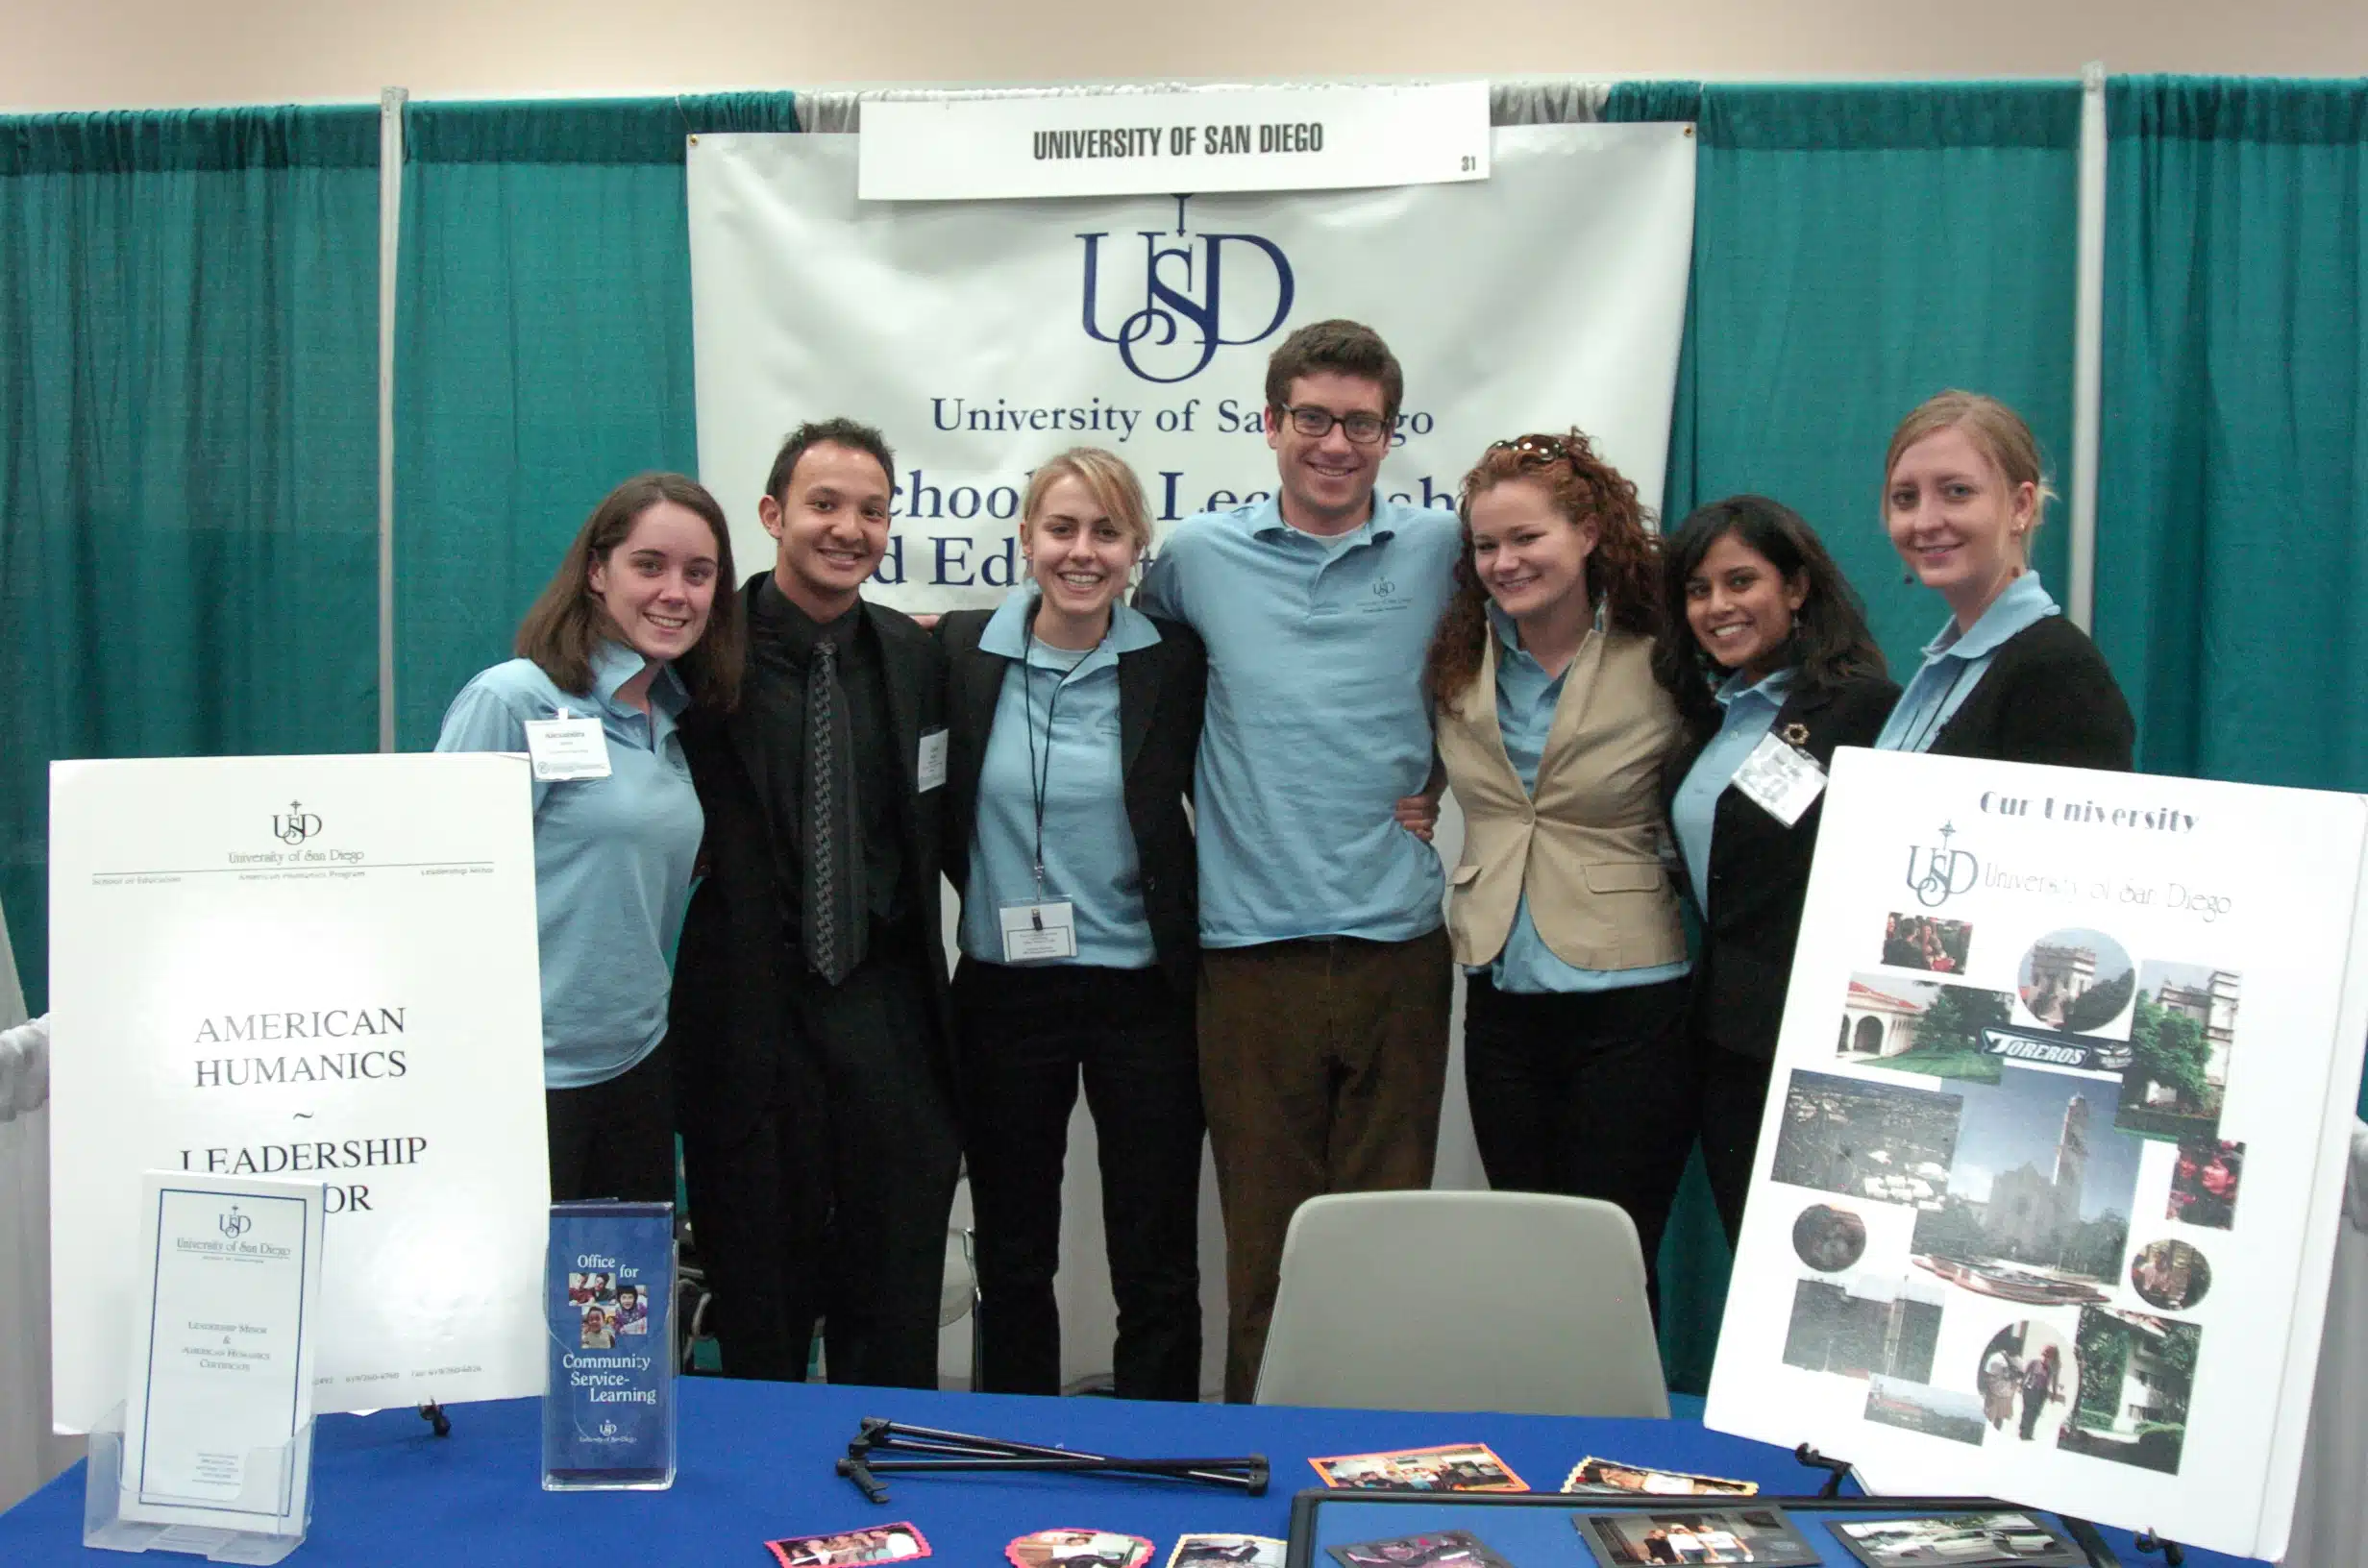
column 92, row 53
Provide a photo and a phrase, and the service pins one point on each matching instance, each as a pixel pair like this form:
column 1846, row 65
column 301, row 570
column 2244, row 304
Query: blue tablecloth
column 756, row 1464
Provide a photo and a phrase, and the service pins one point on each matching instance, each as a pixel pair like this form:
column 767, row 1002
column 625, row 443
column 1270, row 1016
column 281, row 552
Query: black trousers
column 1734, row 1098
column 1587, row 1093
column 1028, row 1034
column 834, row 1205
column 615, row 1140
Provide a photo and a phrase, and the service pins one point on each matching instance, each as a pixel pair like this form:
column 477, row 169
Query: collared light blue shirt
column 1317, row 721
column 1954, row 664
column 1066, row 702
column 1751, row 708
column 612, row 856
column 1526, row 697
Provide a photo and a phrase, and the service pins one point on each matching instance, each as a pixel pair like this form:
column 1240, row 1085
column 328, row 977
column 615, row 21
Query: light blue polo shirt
column 1954, row 664
column 1751, row 709
column 1526, row 697
column 1068, row 699
column 612, row 857
column 1317, row 721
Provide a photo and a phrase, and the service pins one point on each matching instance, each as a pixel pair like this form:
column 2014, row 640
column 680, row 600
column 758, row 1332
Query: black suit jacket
column 1161, row 691
column 1759, row 871
column 740, row 961
column 2046, row 696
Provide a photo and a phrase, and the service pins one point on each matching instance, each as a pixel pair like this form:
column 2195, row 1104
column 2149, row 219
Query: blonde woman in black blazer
column 1774, row 647
column 1073, row 722
column 2008, row 677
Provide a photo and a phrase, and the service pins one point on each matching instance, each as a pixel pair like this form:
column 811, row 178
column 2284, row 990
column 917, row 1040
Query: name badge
column 564, row 747
column 932, row 761
column 1781, row 779
column 1033, row 933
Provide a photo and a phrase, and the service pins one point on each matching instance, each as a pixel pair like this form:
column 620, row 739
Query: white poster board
column 321, row 967
column 2049, row 1182
column 984, row 337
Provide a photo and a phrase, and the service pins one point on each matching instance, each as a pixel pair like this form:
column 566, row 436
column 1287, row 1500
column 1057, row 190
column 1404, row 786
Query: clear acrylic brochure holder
column 273, row 1477
column 607, row 1425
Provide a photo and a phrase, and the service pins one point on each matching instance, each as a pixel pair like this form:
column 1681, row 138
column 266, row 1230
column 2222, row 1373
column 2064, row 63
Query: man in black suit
column 810, row 1016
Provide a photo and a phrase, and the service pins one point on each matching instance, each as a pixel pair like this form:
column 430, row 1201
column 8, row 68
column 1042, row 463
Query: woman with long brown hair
column 626, row 636
column 1564, row 910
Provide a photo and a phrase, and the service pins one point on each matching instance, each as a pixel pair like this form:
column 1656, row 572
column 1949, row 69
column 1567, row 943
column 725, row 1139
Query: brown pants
column 1322, row 1067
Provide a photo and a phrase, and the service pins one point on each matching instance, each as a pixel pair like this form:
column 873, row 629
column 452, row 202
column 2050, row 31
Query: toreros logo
column 1181, row 323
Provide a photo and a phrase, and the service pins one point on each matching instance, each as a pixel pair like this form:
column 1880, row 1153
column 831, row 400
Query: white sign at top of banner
column 984, row 337
column 1126, row 143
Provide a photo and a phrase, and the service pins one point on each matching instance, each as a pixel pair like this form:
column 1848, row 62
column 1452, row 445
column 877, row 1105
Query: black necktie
column 834, row 913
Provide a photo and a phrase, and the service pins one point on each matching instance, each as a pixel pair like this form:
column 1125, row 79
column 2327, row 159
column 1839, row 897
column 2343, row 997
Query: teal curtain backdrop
column 1856, row 250
column 543, row 353
column 189, row 450
column 2233, row 489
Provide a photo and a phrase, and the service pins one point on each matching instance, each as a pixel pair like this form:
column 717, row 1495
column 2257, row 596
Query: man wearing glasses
column 1324, row 971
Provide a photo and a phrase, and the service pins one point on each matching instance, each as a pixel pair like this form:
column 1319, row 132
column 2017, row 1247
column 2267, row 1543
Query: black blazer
column 1161, row 691
column 739, row 961
column 1758, row 872
column 2046, row 696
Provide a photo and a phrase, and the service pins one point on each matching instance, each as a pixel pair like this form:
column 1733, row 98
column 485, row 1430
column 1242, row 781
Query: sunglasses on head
column 1534, row 448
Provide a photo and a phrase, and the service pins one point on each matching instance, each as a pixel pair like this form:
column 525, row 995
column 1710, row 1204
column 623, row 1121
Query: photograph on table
column 1594, row 1475
column 1862, row 1327
column 1454, row 1467
column 2183, row 1029
column 1227, row 1552
column 1867, row 1140
column 2137, row 1373
column 2025, row 1371
column 2172, row 1275
column 1920, row 1406
column 1969, row 1540
column 1721, row 1536
column 2040, row 1193
column 1447, row 1548
column 1921, row 1026
column 1078, row 1549
column 2203, row 1182
column 1829, row 1239
column 851, row 1548
column 1926, row 942
column 2078, row 980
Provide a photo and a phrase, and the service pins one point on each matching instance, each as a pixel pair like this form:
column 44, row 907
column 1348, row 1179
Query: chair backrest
column 1464, row 1301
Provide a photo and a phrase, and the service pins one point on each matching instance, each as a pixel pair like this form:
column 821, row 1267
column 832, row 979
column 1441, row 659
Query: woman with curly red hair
column 1564, row 910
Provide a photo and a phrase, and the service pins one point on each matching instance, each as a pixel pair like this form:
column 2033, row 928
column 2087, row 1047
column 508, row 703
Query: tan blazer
column 1588, row 848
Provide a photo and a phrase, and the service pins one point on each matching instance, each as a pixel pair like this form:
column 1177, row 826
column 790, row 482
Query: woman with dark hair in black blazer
column 2008, row 678
column 1780, row 659
column 1075, row 723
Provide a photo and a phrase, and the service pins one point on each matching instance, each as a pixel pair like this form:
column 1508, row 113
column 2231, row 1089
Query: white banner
column 317, row 967
column 1122, row 143
column 984, row 337
column 2049, row 1182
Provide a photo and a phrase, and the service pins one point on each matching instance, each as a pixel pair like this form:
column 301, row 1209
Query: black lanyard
column 1942, row 712
column 1040, row 781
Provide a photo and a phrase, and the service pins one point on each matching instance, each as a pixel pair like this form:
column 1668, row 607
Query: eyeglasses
column 1534, row 448
column 1315, row 424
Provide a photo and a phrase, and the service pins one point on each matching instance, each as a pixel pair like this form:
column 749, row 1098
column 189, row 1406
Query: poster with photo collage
column 2048, row 1183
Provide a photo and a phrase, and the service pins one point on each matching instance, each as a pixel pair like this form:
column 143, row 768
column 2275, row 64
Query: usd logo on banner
column 984, row 336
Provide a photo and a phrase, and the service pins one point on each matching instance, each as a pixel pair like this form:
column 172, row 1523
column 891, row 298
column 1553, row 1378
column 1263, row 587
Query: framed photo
column 1723, row 1535
column 1969, row 1540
